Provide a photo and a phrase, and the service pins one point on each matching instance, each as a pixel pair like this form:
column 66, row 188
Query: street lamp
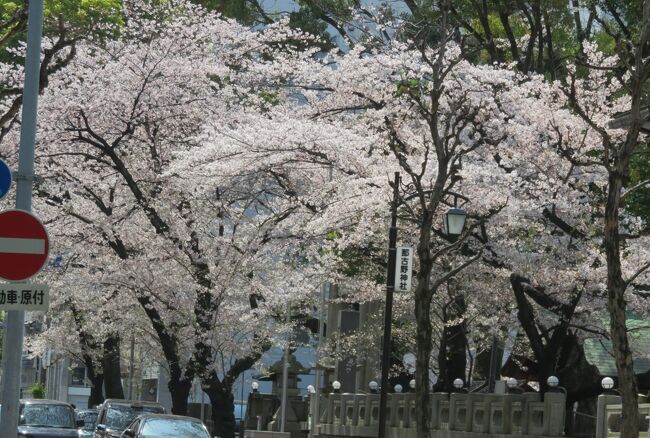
column 398, row 388
column 373, row 386
column 412, row 384
column 453, row 221
column 552, row 381
column 511, row 383
column 254, row 386
column 337, row 386
column 458, row 384
column 607, row 383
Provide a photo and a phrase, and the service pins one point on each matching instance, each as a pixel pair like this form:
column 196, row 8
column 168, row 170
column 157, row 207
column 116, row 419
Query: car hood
column 46, row 432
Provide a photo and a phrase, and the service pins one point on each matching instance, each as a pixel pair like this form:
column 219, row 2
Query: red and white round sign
column 24, row 245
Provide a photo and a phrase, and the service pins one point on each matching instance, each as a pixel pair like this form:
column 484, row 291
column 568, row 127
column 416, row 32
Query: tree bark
column 96, row 396
column 452, row 354
column 180, row 391
column 111, row 363
column 222, row 404
column 616, row 305
column 423, row 355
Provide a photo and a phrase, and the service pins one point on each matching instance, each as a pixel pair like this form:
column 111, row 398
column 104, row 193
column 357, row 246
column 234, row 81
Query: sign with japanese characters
column 403, row 268
column 24, row 296
column 24, row 245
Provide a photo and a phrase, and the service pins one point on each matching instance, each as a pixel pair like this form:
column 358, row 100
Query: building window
column 78, row 376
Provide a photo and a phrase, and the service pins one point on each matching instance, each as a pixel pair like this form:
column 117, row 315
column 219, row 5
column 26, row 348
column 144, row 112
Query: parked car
column 46, row 419
column 89, row 417
column 165, row 426
column 115, row 415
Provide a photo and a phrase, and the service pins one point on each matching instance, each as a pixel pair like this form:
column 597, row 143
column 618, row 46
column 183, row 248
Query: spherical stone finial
column 607, row 383
column 458, row 383
column 398, row 388
column 552, row 381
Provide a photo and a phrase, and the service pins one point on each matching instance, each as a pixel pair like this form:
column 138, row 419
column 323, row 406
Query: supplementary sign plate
column 24, row 296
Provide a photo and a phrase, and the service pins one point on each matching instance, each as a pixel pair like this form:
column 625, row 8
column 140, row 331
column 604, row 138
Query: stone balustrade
column 609, row 417
column 452, row 415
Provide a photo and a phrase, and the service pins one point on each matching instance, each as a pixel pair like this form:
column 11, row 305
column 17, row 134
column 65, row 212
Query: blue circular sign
column 5, row 179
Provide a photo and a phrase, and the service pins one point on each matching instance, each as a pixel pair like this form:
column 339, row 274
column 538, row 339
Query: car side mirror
column 81, row 423
column 101, row 428
column 129, row 433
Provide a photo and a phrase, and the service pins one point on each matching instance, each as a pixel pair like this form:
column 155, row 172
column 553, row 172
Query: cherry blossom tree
column 203, row 269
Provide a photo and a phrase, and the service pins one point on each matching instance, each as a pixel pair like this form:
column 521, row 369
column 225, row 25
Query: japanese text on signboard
column 403, row 268
column 24, row 296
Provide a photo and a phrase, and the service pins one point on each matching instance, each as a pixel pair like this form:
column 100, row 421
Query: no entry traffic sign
column 23, row 245
column 5, row 179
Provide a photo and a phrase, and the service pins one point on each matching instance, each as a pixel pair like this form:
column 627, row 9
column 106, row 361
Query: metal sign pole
column 388, row 311
column 13, row 341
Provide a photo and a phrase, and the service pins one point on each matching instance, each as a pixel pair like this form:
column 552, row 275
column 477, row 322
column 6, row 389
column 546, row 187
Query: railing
column 609, row 417
column 457, row 414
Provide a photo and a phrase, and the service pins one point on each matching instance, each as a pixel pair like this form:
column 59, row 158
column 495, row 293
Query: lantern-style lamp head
column 254, row 386
column 453, row 222
column 458, row 383
column 607, row 383
column 552, row 381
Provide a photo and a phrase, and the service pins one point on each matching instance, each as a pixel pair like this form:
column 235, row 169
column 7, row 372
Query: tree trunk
column 452, row 355
column 96, row 385
column 180, row 391
column 456, row 354
column 423, row 356
column 616, row 305
column 111, row 363
column 222, row 404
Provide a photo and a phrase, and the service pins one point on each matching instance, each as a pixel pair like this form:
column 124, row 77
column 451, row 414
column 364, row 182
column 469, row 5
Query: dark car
column 89, row 417
column 165, row 426
column 46, row 419
column 114, row 415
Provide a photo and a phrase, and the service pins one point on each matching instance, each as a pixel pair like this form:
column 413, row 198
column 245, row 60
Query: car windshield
column 89, row 418
column 119, row 416
column 45, row 415
column 172, row 428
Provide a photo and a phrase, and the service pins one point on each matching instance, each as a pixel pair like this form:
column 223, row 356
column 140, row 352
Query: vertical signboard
column 403, row 268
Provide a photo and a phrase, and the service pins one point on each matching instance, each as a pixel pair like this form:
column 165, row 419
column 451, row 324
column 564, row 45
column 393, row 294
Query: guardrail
column 453, row 415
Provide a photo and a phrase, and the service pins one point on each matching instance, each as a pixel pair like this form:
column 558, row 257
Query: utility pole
column 388, row 312
column 15, row 322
